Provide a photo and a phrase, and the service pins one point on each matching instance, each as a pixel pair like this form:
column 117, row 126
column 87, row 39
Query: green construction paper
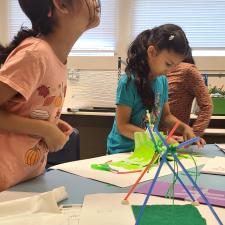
column 144, row 152
column 142, row 155
column 169, row 215
column 104, row 167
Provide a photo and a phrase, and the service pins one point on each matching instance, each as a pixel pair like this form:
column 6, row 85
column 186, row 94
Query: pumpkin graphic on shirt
column 58, row 101
column 39, row 114
column 33, row 156
column 42, row 144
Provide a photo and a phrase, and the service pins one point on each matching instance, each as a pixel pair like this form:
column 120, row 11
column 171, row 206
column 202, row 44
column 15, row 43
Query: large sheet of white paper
column 102, row 209
column 83, row 168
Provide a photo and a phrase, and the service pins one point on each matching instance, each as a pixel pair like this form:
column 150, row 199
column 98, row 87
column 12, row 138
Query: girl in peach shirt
column 33, row 85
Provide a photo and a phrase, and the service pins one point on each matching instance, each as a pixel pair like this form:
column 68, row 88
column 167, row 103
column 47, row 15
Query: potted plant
column 218, row 99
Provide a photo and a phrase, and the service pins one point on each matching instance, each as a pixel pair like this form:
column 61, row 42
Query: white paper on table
column 38, row 209
column 59, row 194
column 102, row 209
column 36, row 219
column 83, row 168
column 215, row 166
column 72, row 212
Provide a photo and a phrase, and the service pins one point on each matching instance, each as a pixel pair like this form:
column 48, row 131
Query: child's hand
column 202, row 141
column 54, row 138
column 181, row 139
column 178, row 138
column 172, row 141
column 189, row 134
column 65, row 127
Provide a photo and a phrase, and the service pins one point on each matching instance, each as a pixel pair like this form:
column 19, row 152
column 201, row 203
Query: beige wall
column 3, row 22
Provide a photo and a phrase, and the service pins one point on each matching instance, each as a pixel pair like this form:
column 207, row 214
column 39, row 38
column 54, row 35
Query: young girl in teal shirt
column 143, row 87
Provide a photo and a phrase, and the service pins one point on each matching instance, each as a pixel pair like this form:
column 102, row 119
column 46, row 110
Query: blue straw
column 161, row 138
column 152, row 136
column 181, row 182
column 185, row 171
column 195, row 139
column 198, row 189
column 141, row 211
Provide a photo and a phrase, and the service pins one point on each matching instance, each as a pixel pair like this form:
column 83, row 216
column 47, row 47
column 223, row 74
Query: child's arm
column 169, row 120
column 125, row 128
column 196, row 87
column 53, row 136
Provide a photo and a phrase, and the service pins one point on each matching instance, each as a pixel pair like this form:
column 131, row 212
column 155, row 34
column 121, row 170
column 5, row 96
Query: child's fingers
column 69, row 132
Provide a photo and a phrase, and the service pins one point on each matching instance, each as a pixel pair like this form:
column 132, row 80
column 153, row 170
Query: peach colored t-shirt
column 34, row 71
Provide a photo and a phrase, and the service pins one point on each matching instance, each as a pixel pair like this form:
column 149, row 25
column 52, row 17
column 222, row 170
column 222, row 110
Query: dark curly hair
column 137, row 58
column 37, row 11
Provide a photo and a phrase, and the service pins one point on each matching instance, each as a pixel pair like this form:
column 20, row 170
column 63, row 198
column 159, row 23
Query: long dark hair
column 189, row 58
column 170, row 37
column 40, row 13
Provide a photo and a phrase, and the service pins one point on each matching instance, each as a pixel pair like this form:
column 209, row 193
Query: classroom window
column 203, row 21
column 98, row 41
column 122, row 20
column 101, row 40
column 16, row 18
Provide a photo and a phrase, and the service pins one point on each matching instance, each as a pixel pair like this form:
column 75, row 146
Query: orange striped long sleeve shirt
column 186, row 83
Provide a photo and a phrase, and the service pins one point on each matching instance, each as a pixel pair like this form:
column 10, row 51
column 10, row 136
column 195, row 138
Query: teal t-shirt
column 128, row 95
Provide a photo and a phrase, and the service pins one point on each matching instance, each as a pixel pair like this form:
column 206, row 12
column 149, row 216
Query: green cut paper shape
column 103, row 166
column 142, row 155
column 143, row 152
column 169, row 214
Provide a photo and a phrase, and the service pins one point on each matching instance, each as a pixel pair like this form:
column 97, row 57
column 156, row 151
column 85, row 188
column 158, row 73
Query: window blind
column 16, row 18
column 104, row 37
column 203, row 21
column 101, row 39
